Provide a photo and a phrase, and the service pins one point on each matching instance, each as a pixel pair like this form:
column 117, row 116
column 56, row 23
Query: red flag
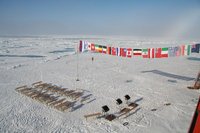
column 182, row 50
column 113, row 51
column 108, row 50
column 92, row 47
column 123, row 52
column 158, row 52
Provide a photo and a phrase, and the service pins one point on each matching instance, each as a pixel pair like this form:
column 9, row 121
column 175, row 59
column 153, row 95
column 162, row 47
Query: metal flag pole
column 77, row 66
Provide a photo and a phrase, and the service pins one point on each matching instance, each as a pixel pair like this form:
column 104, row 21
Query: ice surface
column 150, row 82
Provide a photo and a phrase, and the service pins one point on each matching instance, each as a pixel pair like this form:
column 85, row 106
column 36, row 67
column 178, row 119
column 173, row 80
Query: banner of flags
column 182, row 50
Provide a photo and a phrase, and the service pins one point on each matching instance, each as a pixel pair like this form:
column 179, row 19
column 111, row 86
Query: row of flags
column 165, row 52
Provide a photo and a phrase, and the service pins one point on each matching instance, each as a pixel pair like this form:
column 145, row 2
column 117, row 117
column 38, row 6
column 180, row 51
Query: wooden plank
column 60, row 105
column 56, row 89
column 126, row 111
column 76, row 95
column 25, row 89
column 50, row 99
column 92, row 115
column 43, row 98
column 60, row 91
column 57, row 102
column 133, row 104
column 38, row 96
column 84, row 99
column 67, row 93
column 32, row 93
column 36, row 83
column 64, row 106
column 33, row 96
column 18, row 88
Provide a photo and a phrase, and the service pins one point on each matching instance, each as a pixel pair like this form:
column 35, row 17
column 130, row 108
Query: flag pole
column 77, row 59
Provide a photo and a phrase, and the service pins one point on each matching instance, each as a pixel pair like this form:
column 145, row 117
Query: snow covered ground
column 52, row 59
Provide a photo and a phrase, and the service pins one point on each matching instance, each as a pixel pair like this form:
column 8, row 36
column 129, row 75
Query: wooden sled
column 92, row 115
column 125, row 111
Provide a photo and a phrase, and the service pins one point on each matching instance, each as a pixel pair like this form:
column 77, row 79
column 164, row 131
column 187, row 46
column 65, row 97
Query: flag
column 145, row 53
column 104, row 49
column 129, row 52
column 164, row 52
column 137, row 52
column 158, row 52
column 108, row 50
column 96, row 47
column 83, row 46
column 195, row 48
column 100, row 48
column 118, row 51
column 151, row 53
column 80, row 47
column 171, row 52
column 89, row 46
column 92, row 47
column 177, row 50
column 182, row 49
column 123, row 52
column 187, row 50
column 113, row 51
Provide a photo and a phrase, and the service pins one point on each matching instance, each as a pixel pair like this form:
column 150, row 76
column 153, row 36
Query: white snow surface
column 52, row 59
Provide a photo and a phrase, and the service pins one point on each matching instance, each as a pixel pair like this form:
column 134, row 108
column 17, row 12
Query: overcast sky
column 100, row 17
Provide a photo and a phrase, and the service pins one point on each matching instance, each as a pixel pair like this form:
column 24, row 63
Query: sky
column 101, row 17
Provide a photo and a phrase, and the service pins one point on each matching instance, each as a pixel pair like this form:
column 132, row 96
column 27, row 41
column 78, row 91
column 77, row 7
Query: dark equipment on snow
column 119, row 101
